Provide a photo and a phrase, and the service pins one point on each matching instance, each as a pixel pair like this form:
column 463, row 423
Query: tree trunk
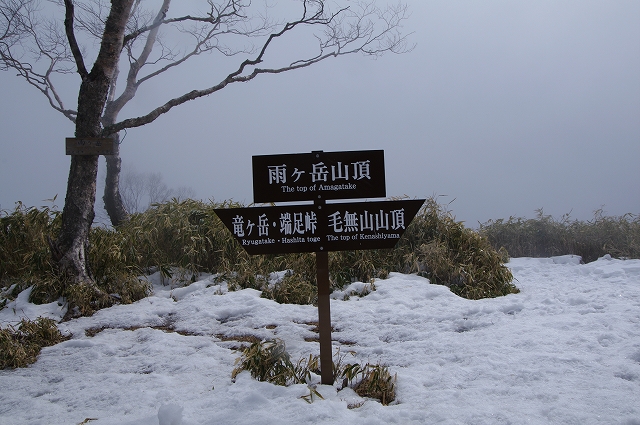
column 112, row 199
column 71, row 247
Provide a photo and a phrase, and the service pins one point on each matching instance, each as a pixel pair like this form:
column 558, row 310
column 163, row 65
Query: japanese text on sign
column 319, row 175
column 297, row 223
column 306, row 228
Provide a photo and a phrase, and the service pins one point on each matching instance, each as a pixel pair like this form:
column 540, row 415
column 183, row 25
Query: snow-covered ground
column 565, row 350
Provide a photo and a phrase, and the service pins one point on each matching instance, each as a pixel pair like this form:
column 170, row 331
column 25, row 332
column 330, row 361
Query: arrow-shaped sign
column 317, row 228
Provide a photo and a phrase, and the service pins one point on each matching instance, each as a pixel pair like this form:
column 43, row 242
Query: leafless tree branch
column 108, row 33
column 360, row 28
column 23, row 35
column 71, row 36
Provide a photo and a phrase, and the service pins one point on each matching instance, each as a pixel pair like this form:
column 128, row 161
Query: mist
column 501, row 108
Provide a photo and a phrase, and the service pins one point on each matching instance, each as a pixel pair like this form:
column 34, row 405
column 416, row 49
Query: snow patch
column 563, row 350
column 170, row 414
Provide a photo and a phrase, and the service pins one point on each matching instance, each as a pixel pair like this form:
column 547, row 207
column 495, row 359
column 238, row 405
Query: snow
column 565, row 350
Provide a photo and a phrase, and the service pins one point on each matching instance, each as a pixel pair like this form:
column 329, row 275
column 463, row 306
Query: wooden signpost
column 320, row 227
column 89, row 146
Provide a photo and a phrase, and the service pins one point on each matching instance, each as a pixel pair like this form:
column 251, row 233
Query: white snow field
column 565, row 350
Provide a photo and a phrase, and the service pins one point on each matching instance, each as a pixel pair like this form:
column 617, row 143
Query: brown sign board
column 89, row 146
column 318, row 175
column 321, row 227
column 318, row 228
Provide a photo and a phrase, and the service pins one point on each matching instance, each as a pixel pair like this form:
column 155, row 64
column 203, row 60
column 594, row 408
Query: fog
column 501, row 108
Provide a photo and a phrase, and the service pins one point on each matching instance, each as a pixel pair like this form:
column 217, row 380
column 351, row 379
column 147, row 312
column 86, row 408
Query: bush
column 188, row 236
column 183, row 234
column 434, row 245
column 292, row 289
column 20, row 347
column 25, row 260
column 269, row 361
column 442, row 249
column 545, row 237
column 24, row 249
column 374, row 381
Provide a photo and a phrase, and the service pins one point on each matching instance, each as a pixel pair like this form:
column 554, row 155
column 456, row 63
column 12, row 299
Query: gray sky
column 506, row 106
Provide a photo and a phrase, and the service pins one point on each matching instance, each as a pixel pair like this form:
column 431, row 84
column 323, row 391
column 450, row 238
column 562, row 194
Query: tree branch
column 214, row 17
column 73, row 43
column 221, row 20
column 114, row 107
column 361, row 27
column 337, row 44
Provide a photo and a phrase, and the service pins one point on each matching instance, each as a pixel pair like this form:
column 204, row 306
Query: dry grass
column 545, row 236
column 269, row 361
column 188, row 236
column 19, row 347
column 25, row 261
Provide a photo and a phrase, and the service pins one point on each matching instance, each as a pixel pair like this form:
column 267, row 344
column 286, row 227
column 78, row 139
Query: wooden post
column 273, row 183
column 324, row 318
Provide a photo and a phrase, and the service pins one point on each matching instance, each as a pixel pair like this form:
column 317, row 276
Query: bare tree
column 122, row 33
column 132, row 189
column 141, row 190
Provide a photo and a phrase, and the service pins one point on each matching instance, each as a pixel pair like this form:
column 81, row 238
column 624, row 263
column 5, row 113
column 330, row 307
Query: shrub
column 442, row 249
column 291, row 289
column 25, row 260
column 434, row 245
column 184, row 234
column 545, row 236
column 24, row 248
column 370, row 380
column 375, row 381
column 269, row 361
column 20, row 347
column 188, row 236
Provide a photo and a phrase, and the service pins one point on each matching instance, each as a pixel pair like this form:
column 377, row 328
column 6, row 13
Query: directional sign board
column 318, row 175
column 321, row 227
column 89, row 146
column 317, row 228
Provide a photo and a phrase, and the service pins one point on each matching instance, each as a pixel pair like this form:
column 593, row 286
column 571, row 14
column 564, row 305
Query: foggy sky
column 504, row 106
